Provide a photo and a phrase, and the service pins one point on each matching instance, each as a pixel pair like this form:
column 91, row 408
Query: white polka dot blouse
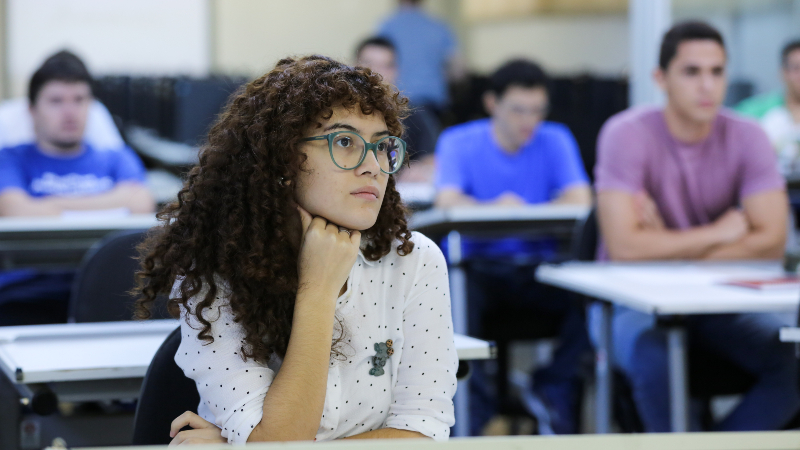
column 405, row 299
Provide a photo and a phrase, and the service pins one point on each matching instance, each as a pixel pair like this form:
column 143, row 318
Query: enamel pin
column 383, row 351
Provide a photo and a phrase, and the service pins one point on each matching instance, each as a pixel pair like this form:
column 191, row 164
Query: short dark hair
column 62, row 66
column 686, row 31
column 787, row 49
column 517, row 72
column 378, row 42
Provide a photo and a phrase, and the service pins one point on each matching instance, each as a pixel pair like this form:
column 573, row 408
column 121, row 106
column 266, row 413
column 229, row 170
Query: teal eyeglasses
column 348, row 150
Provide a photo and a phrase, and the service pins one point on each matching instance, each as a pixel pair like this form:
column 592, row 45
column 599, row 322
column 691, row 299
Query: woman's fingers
column 309, row 221
column 188, row 418
column 202, row 436
column 305, row 218
column 355, row 238
column 332, row 228
column 203, row 431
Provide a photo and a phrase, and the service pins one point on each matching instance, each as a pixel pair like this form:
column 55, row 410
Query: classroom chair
column 104, row 278
column 16, row 125
column 166, row 394
column 710, row 375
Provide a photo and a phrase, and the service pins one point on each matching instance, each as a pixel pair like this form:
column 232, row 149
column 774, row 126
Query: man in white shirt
column 779, row 116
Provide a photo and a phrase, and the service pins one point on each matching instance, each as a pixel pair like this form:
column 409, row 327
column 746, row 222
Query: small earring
column 282, row 181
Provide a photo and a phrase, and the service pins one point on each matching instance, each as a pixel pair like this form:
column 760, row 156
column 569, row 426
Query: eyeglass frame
column 368, row 146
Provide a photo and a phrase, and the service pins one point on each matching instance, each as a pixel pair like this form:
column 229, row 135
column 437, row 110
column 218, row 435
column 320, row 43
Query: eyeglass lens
column 348, row 149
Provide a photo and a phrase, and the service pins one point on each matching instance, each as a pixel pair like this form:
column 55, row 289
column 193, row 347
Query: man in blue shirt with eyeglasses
column 515, row 157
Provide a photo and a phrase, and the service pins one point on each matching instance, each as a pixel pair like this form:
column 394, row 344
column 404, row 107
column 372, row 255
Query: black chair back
column 166, row 394
column 585, row 238
column 106, row 274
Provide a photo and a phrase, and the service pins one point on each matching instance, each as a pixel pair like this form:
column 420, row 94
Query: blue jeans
column 32, row 296
column 748, row 340
column 505, row 287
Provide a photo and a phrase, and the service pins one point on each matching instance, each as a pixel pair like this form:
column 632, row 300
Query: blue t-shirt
column 424, row 45
column 90, row 172
column 468, row 158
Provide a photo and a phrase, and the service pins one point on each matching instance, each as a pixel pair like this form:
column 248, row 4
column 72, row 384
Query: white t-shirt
column 784, row 134
column 402, row 298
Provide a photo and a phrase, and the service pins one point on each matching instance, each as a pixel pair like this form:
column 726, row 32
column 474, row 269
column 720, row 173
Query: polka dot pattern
column 402, row 298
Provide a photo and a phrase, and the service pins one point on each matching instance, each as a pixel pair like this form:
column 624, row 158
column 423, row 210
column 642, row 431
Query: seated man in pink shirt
column 693, row 181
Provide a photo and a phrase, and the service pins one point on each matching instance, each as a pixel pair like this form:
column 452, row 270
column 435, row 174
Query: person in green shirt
column 779, row 113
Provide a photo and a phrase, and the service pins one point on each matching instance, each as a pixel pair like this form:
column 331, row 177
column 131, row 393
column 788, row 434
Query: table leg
column 604, row 372
column 458, row 302
column 10, row 416
column 678, row 386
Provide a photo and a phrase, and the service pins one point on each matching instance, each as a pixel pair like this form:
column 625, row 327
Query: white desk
column 492, row 221
column 775, row 440
column 790, row 334
column 101, row 361
column 48, row 240
column 109, row 350
column 666, row 289
column 417, row 195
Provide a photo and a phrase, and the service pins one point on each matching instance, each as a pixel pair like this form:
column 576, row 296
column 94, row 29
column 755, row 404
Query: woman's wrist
column 314, row 309
column 316, row 295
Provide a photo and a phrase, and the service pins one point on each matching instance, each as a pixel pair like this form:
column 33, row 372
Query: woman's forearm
column 294, row 402
column 389, row 433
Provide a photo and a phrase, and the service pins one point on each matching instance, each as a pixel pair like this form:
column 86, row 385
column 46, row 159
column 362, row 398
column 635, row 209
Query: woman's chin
column 350, row 221
column 355, row 223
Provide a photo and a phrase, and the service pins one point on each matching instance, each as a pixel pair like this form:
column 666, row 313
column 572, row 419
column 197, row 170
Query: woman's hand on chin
column 327, row 253
column 203, row 432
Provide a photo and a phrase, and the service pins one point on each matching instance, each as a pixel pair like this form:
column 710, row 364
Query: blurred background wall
column 113, row 37
column 245, row 37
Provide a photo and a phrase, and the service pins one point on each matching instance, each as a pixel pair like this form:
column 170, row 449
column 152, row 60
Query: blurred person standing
column 421, row 126
column 779, row 114
column 693, row 181
column 60, row 172
column 380, row 56
column 427, row 54
column 517, row 158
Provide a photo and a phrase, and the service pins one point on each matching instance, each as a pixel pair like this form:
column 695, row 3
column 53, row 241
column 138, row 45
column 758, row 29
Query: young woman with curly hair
column 309, row 309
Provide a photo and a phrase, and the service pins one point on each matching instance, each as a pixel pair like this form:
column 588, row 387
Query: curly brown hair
column 230, row 231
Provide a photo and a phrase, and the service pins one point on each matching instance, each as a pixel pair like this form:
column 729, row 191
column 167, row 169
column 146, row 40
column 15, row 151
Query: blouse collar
column 364, row 259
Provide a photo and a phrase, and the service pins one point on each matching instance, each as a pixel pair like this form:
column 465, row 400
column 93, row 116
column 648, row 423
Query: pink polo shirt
column 692, row 184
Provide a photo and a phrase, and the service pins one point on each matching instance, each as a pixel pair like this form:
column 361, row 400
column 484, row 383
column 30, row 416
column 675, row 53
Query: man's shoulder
column 636, row 116
column 109, row 153
column 738, row 124
column 17, row 151
column 642, row 120
column 739, row 129
column 553, row 129
column 467, row 135
column 467, row 130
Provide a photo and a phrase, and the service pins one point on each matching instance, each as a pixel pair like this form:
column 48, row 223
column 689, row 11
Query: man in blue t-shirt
column 517, row 158
column 59, row 172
